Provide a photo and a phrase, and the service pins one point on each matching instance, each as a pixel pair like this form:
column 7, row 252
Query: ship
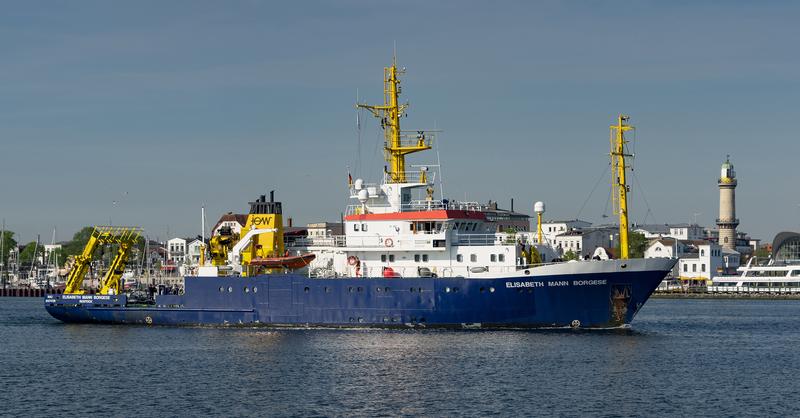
column 405, row 260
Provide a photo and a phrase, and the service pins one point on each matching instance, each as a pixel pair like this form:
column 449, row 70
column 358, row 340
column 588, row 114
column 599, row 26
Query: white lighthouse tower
column 727, row 222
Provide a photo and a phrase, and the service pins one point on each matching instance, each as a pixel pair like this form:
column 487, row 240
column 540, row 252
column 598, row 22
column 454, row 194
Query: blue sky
column 163, row 107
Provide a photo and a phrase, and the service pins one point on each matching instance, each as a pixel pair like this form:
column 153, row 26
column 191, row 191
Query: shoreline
column 762, row 296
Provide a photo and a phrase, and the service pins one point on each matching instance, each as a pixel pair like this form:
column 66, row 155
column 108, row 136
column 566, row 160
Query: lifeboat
column 288, row 262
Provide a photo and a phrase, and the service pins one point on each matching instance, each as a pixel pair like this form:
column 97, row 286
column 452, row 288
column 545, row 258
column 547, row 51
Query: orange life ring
column 352, row 260
column 388, row 242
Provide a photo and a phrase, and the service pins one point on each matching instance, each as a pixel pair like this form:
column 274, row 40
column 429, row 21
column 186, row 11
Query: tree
column 637, row 244
column 762, row 252
column 570, row 255
column 9, row 243
column 26, row 256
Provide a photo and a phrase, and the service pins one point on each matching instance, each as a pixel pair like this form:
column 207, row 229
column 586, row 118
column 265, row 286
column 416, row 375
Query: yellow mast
column 618, row 163
column 389, row 114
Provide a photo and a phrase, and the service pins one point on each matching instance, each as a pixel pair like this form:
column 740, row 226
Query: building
column 551, row 229
column 235, row 221
column 584, row 242
column 698, row 260
column 679, row 231
column 507, row 219
column 193, row 250
column 176, row 251
column 727, row 222
column 698, row 267
column 786, row 247
column 324, row 229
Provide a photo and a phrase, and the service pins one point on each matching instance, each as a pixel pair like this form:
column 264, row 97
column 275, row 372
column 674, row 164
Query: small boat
column 287, row 262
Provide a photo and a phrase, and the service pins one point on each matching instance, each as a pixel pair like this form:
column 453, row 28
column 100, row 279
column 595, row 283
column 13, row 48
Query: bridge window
column 383, row 258
column 473, row 258
column 425, row 258
column 501, row 257
column 493, row 258
column 364, row 227
column 416, row 258
column 460, row 258
column 391, row 258
column 355, row 227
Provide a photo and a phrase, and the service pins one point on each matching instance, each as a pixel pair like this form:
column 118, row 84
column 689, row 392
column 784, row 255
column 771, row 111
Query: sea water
column 681, row 357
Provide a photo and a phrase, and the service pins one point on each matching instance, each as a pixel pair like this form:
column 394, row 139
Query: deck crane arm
column 124, row 236
column 126, row 240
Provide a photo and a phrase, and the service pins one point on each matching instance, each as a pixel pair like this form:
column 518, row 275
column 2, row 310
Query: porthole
column 385, row 319
column 455, row 290
column 327, row 289
column 255, row 289
column 246, row 289
column 419, row 289
column 386, row 289
column 360, row 319
column 230, row 289
column 350, row 289
column 352, row 319
column 306, row 289
column 222, row 289
column 378, row 289
column 527, row 272
column 491, row 289
column 360, row 289
column 411, row 290
column 483, row 289
column 447, row 290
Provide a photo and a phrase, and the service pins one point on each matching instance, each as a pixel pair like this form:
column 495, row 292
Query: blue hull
column 593, row 300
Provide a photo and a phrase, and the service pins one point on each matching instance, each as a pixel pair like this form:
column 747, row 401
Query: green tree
column 26, row 256
column 637, row 244
column 762, row 253
column 9, row 243
column 570, row 255
column 78, row 242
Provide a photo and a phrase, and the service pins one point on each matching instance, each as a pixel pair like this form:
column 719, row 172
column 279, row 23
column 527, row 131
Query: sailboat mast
column 618, row 166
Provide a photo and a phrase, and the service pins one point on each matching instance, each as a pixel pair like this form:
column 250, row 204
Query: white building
column 553, row 228
column 193, row 250
column 176, row 251
column 584, row 242
column 690, row 232
column 701, row 265
column 678, row 231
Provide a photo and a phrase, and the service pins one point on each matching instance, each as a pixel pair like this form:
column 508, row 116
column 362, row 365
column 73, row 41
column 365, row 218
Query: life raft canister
column 352, row 260
column 388, row 242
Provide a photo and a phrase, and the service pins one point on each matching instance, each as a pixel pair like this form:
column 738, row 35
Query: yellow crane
column 618, row 167
column 123, row 236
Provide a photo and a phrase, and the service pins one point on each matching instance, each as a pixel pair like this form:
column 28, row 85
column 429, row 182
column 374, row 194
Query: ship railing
column 483, row 239
column 417, row 206
column 366, row 269
column 330, row 241
column 405, row 241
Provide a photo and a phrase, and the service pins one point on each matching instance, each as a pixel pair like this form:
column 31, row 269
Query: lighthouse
column 727, row 222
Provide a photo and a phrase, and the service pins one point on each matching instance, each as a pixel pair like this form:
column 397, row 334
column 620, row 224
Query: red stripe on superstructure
column 429, row 214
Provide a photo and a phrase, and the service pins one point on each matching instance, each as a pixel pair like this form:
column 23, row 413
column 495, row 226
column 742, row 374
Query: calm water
column 682, row 357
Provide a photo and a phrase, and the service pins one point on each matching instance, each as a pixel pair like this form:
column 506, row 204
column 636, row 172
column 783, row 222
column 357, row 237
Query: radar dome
column 538, row 207
column 358, row 184
column 363, row 195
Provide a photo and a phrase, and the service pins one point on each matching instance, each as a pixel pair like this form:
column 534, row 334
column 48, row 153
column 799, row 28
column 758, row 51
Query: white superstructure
column 760, row 278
